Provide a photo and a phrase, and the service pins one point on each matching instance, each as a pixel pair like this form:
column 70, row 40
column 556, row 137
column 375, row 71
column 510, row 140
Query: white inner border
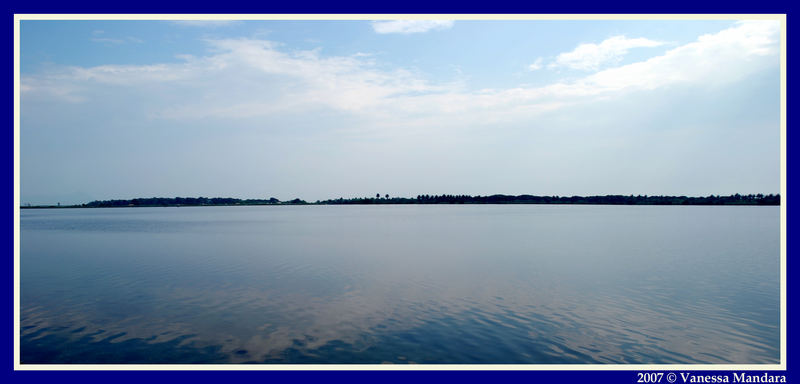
column 377, row 367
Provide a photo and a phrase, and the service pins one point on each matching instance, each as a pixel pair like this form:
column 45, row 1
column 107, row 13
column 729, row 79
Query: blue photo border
column 317, row 6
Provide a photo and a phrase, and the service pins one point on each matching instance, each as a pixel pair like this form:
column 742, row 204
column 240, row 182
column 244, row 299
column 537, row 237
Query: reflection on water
column 401, row 284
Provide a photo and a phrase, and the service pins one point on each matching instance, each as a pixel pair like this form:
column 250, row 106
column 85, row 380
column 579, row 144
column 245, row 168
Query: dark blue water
column 402, row 284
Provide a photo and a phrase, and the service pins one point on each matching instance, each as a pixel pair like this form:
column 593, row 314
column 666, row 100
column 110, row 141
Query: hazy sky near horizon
column 328, row 109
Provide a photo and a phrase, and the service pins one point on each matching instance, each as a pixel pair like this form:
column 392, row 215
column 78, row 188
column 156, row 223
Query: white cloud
column 251, row 78
column 115, row 41
column 712, row 59
column 206, row 23
column 593, row 56
column 537, row 65
column 107, row 40
column 410, row 26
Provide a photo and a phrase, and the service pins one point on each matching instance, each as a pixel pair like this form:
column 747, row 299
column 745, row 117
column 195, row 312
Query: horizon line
column 608, row 199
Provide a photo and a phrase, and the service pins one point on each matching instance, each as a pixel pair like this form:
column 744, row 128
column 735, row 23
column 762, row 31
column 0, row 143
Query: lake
column 429, row 284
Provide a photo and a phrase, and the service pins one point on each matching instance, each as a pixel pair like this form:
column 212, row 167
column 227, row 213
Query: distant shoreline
column 736, row 199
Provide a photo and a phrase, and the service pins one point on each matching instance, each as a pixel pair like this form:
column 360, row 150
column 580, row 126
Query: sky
column 328, row 109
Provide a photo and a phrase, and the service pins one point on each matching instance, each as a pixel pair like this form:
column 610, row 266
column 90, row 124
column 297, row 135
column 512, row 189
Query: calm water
column 401, row 284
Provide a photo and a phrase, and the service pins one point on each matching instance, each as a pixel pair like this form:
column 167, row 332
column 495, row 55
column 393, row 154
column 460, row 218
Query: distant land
column 737, row 199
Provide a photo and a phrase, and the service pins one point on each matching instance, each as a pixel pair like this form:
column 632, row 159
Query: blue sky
column 328, row 109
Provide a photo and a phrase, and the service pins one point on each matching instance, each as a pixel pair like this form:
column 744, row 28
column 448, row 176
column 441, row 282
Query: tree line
column 186, row 201
column 736, row 199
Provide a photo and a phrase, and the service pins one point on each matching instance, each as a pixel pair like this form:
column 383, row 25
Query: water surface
column 464, row 284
